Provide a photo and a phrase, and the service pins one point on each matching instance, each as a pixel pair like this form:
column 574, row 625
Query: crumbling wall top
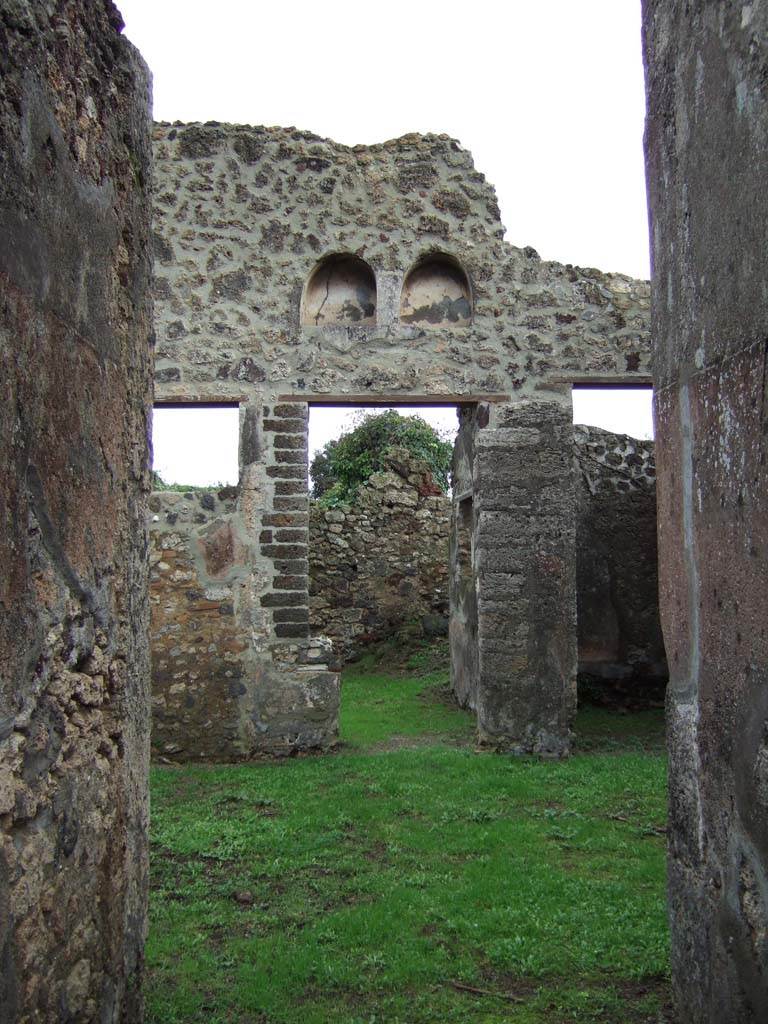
column 244, row 216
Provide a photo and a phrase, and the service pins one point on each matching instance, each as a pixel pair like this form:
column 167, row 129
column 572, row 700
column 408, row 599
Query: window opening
column 620, row 410
column 195, row 446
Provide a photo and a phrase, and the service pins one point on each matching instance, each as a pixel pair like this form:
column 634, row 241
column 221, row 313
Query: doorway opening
column 621, row 658
column 379, row 541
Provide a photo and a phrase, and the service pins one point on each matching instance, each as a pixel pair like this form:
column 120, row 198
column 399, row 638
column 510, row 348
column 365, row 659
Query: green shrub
column 341, row 466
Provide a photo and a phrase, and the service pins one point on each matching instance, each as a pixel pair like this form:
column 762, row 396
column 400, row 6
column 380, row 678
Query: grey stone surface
column 617, row 583
column 270, row 246
column 378, row 567
column 75, row 328
column 707, row 163
column 525, row 527
column 239, row 240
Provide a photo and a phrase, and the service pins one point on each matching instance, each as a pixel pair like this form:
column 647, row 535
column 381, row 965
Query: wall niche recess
column 341, row 290
column 436, row 292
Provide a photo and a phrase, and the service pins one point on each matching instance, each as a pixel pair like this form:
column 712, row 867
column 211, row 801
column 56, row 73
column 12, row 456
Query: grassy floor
column 410, row 879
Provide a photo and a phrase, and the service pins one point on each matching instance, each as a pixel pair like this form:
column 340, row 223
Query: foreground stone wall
column 378, row 568
column 75, row 324
column 707, row 162
column 617, row 583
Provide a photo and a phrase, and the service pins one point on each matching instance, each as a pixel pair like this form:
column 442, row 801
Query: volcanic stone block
column 75, row 327
column 526, row 673
column 707, row 164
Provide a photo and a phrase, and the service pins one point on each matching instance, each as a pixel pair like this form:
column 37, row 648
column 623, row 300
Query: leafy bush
column 341, row 466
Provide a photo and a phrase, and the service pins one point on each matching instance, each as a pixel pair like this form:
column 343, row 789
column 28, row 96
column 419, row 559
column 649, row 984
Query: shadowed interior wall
column 617, row 583
column 707, row 164
column 75, row 327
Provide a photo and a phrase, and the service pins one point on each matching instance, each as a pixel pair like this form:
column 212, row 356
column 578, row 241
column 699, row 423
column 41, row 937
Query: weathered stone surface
column 268, row 235
column 75, row 324
column 707, row 162
column 525, row 691
column 207, row 598
column 379, row 567
column 292, row 269
column 617, row 588
column 462, row 628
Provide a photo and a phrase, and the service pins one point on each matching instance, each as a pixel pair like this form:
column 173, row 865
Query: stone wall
column 525, row 564
column 707, row 164
column 291, row 271
column 617, row 583
column 378, row 568
column 75, row 324
column 200, row 589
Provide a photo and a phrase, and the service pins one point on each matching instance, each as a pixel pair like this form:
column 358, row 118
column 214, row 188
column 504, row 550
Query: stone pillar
column 707, row 163
column 462, row 585
column 525, row 561
column 75, row 324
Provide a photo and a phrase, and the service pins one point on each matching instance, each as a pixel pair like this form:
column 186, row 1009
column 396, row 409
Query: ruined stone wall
column 243, row 215
column 197, row 571
column 200, row 579
column 462, row 628
column 378, row 568
column 75, row 324
column 707, row 163
column 291, row 269
column 617, row 588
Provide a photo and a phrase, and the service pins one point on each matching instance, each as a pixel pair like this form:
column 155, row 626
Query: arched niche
column 341, row 290
column 436, row 292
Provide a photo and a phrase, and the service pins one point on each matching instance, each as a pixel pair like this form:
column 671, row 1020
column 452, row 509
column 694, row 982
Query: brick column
column 294, row 696
column 285, row 525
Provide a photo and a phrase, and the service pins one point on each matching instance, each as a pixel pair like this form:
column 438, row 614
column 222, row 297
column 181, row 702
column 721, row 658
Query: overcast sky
column 547, row 94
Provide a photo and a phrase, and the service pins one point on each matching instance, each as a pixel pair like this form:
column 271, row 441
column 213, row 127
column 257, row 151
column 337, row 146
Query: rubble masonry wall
column 75, row 372
column 251, row 227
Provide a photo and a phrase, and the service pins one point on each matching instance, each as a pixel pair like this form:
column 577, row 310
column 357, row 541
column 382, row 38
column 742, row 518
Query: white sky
column 548, row 96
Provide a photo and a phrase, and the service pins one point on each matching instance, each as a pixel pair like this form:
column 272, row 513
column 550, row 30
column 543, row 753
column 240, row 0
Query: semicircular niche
column 341, row 290
column 436, row 292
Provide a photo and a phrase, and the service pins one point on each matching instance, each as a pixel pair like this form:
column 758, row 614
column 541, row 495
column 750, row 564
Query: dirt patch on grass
column 634, row 990
column 645, row 1000
column 378, row 853
column 399, row 741
column 441, row 694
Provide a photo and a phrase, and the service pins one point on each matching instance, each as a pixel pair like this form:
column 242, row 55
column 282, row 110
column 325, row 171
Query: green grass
column 410, row 879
